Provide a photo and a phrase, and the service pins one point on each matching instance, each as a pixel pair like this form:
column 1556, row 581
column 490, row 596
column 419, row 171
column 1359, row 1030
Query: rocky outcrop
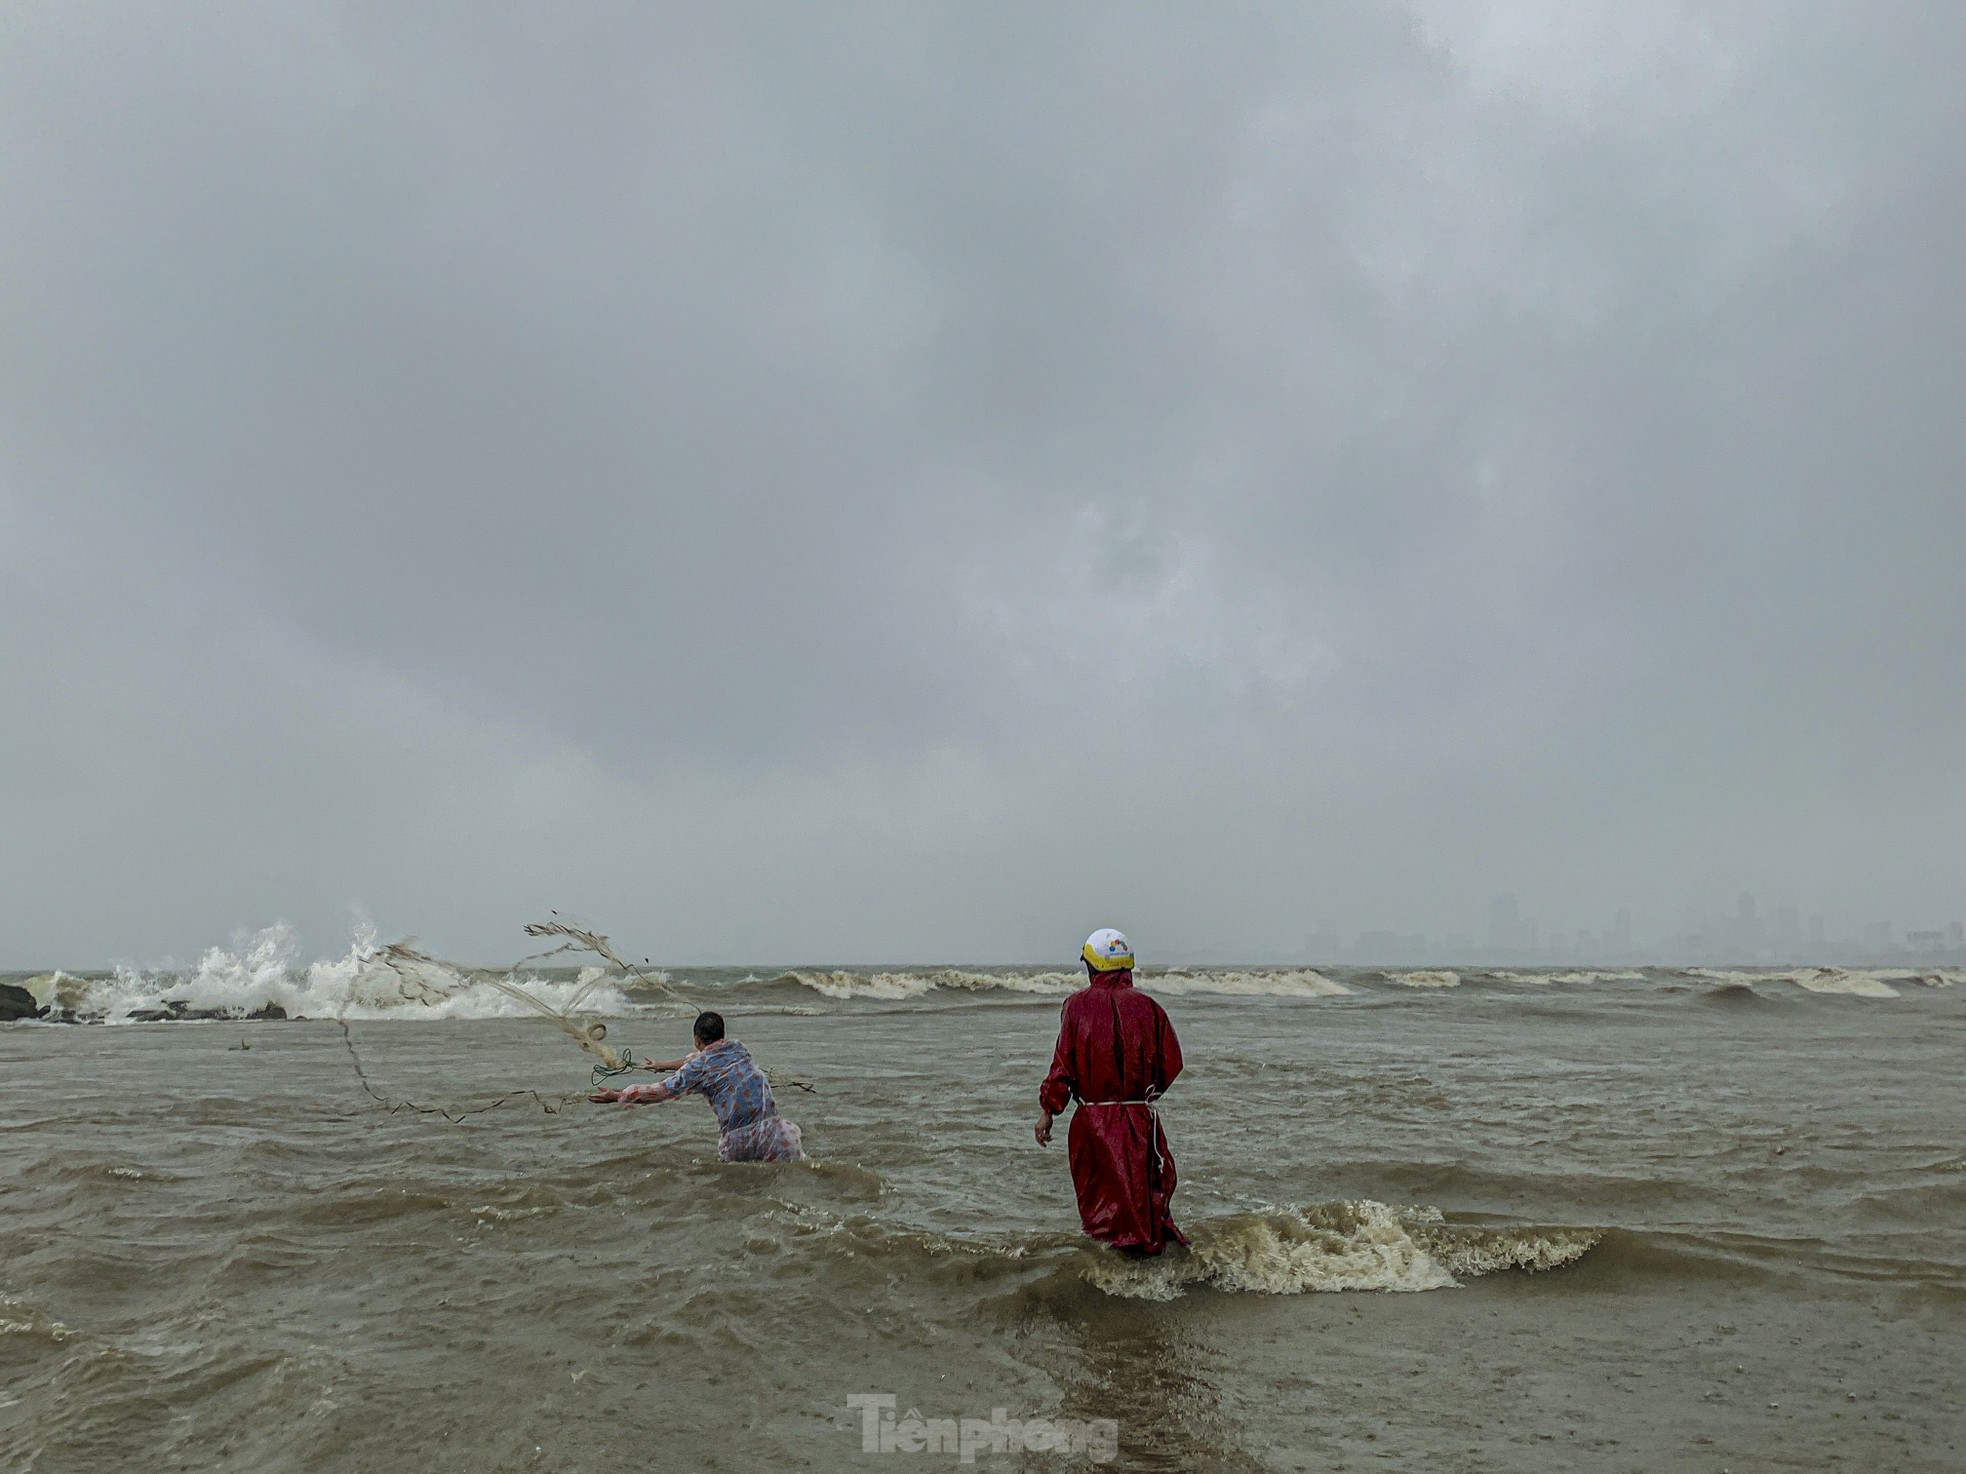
column 175, row 1011
column 17, row 1003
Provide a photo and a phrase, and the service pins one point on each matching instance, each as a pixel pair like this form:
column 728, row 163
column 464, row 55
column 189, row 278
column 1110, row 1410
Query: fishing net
column 422, row 977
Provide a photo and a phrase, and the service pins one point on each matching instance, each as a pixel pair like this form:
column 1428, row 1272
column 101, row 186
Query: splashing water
column 409, row 962
column 590, row 1036
column 1325, row 1247
column 259, row 971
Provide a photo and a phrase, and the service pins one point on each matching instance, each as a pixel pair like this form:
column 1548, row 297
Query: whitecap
column 259, row 970
column 1425, row 979
column 1836, row 980
column 900, row 986
column 1581, row 975
column 1302, row 982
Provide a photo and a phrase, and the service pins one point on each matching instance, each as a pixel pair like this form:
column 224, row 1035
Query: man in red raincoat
column 1116, row 1056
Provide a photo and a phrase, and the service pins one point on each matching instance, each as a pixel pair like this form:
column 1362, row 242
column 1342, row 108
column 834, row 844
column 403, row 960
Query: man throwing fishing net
column 1116, row 1056
column 749, row 1128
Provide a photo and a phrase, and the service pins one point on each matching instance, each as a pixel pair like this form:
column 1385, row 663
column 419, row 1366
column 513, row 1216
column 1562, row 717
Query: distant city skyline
column 1744, row 932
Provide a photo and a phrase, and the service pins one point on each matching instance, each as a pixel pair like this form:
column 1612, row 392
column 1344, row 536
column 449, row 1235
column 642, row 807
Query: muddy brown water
column 1659, row 1222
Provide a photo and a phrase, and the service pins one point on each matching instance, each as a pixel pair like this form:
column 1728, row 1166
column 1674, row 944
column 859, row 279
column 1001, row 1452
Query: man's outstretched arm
column 668, row 1066
column 635, row 1095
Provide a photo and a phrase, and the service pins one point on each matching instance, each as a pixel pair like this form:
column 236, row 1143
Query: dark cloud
column 1369, row 455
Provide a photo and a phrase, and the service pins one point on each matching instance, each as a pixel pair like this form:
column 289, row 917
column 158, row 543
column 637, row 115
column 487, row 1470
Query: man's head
column 1107, row 951
column 709, row 1029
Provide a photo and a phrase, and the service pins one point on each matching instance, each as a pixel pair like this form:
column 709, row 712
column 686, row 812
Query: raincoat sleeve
column 688, row 1078
column 1063, row 1079
column 1167, row 1054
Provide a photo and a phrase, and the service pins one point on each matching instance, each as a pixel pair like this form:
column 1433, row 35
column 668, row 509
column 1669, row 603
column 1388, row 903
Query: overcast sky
column 906, row 481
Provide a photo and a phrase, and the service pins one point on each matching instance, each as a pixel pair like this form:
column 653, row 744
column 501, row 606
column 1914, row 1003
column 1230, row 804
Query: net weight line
column 551, row 1105
column 405, row 959
column 575, row 939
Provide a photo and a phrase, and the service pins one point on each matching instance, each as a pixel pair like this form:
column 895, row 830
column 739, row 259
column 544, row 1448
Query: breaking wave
column 1337, row 1246
column 895, row 987
column 899, row 986
column 1835, row 980
column 1848, row 982
column 1582, row 975
column 1323, row 1248
column 1301, row 982
column 260, row 973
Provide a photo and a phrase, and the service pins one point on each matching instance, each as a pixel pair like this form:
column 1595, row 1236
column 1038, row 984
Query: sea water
column 1452, row 1220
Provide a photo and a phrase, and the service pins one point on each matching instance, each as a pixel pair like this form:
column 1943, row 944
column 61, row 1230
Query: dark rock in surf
column 172, row 1010
column 175, row 1011
column 17, row 1003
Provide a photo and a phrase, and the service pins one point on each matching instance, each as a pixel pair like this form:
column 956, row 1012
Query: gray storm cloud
column 923, row 481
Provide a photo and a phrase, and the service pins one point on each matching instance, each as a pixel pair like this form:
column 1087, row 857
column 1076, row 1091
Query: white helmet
column 1107, row 951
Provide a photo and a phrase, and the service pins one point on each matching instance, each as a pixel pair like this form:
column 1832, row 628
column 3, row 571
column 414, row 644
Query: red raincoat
column 1117, row 1052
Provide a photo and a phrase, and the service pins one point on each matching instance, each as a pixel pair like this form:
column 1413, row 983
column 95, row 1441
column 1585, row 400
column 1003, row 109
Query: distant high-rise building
column 1955, row 934
column 1391, row 946
column 1503, row 919
column 1786, row 933
column 1324, row 944
column 1619, row 938
column 1507, row 930
column 1748, row 936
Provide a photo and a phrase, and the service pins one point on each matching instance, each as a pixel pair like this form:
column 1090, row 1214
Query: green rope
column 601, row 1072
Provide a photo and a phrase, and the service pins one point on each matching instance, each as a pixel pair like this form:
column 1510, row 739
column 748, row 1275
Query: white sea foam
column 1940, row 978
column 1469, row 1254
column 1836, row 980
column 1425, row 979
column 56, row 989
column 1335, row 1246
column 901, row 986
column 1592, row 975
column 1848, row 982
column 1300, row 982
column 18, row 1318
column 890, row 987
column 261, row 969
